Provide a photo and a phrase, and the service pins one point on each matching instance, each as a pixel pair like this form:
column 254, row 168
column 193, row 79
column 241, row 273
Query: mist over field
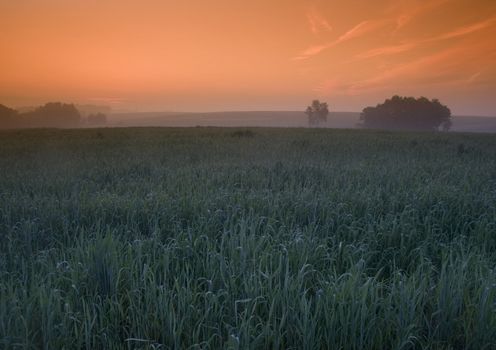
column 339, row 120
column 102, row 116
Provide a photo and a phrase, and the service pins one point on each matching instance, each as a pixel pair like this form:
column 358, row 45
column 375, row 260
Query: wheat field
column 207, row 238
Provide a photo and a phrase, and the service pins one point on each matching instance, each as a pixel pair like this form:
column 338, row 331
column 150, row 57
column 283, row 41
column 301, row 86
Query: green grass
column 209, row 238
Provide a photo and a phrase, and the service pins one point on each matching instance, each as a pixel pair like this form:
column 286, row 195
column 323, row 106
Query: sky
column 199, row 55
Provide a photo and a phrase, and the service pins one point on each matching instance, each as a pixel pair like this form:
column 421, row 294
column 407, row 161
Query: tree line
column 50, row 115
column 396, row 113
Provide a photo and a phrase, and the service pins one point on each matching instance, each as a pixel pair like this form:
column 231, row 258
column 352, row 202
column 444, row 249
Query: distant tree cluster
column 8, row 117
column 407, row 113
column 96, row 119
column 317, row 113
column 51, row 115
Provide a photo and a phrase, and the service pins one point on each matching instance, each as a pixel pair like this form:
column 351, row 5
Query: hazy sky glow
column 248, row 55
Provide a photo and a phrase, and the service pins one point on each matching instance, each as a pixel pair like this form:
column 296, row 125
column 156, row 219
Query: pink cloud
column 447, row 67
column 416, row 9
column 359, row 30
column 406, row 46
column 387, row 50
column 474, row 77
column 318, row 23
column 461, row 66
column 465, row 30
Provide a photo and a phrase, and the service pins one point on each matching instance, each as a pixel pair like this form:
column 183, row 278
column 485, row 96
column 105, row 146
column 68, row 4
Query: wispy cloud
column 406, row 46
column 465, row 29
column 474, row 77
column 448, row 67
column 411, row 70
column 414, row 10
column 386, row 50
column 407, row 14
column 359, row 30
column 463, row 65
column 317, row 22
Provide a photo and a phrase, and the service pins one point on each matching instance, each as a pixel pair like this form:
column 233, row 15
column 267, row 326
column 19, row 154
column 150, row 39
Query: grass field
column 208, row 238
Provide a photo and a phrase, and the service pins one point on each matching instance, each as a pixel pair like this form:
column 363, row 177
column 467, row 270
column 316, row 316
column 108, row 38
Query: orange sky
column 251, row 55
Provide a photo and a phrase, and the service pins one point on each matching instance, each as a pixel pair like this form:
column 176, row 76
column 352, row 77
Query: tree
column 407, row 113
column 317, row 113
column 54, row 115
column 8, row 118
column 97, row 119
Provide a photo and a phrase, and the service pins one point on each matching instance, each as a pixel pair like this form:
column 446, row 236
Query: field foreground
column 247, row 238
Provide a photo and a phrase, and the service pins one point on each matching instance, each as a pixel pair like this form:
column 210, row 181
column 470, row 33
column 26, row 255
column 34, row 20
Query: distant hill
column 474, row 124
column 340, row 120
